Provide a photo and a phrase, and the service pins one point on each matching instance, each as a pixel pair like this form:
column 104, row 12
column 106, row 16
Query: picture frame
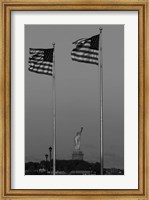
column 5, row 98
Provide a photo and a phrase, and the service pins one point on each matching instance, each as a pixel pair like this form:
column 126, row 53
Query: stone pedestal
column 77, row 155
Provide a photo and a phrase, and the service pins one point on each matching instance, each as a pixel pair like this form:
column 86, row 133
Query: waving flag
column 86, row 50
column 41, row 61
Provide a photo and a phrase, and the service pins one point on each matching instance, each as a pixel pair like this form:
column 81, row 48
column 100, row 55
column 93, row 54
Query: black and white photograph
column 74, row 99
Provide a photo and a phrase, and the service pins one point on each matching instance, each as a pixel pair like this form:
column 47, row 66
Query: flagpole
column 54, row 113
column 101, row 101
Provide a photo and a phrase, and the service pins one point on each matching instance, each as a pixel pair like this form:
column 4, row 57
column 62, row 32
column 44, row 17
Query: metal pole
column 101, row 101
column 54, row 113
column 50, row 149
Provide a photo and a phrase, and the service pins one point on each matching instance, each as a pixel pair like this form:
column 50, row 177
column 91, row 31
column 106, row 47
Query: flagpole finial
column 100, row 29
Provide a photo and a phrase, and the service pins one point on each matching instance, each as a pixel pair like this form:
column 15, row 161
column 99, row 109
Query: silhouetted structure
column 69, row 167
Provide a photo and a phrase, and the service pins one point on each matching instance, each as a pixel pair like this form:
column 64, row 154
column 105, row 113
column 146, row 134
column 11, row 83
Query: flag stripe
column 32, row 51
column 41, row 66
column 41, row 71
column 85, row 61
column 36, row 58
column 86, row 55
column 79, row 41
column 82, row 49
column 88, row 60
column 41, row 62
column 39, row 55
column 86, row 44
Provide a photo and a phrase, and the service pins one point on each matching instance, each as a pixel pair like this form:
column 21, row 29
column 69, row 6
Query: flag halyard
column 41, row 61
column 86, row 50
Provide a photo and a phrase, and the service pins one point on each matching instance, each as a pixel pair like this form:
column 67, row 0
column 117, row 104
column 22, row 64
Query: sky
column 77, row 95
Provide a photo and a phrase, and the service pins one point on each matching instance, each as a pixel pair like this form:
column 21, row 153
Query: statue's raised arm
column 81, row 129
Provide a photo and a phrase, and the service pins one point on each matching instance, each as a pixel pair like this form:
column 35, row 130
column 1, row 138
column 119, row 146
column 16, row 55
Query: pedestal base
column 77, row 155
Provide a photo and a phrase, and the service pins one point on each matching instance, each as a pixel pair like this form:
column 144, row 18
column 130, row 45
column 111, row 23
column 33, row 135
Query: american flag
column 41, row 61
column 86, row 50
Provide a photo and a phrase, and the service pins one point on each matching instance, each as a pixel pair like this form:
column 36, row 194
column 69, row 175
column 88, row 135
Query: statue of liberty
column 77, row 140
